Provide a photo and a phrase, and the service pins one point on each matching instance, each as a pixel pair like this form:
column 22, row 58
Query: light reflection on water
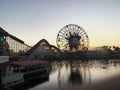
column 79, row 73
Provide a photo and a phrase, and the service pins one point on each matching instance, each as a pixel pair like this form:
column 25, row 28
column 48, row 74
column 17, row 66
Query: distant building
column 99, row 53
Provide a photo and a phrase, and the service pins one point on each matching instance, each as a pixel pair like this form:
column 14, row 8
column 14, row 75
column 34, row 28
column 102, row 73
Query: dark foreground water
column 78, row 74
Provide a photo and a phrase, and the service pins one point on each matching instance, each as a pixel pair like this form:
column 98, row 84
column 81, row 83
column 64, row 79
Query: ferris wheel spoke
column 69, row 27
column 62, row 33
column 72, row 27
column 75, row 31
column 81, row 32
column 76, row 28
column 80, row 29
column 63, row 41
column 66, row 33
column 83, row 39
column 63, row 37
column 84, row 36
column 66, row 27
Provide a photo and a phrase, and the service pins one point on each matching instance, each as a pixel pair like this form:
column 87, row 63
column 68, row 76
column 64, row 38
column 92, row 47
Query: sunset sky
column 33, row 20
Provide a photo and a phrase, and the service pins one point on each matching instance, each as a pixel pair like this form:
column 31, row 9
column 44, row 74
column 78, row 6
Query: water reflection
column 79, row 73
column 75, row 74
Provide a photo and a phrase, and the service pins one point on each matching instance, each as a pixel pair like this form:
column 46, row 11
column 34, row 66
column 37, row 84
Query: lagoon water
column 78, row 73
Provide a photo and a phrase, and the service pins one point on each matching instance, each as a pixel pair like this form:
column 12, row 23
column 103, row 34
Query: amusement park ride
column 72, row 38
column 10, row 45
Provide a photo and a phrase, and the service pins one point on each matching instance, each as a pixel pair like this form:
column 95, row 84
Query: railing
column 4, row 59
column 13, row 79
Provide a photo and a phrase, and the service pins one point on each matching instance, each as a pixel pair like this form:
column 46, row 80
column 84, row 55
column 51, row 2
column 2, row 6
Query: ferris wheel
column 72, row 38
